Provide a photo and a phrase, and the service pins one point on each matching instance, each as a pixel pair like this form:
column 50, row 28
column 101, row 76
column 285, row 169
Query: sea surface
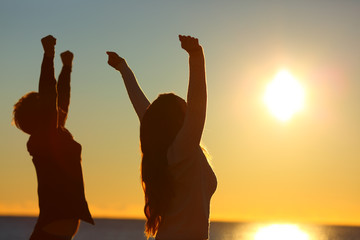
column 19, row 228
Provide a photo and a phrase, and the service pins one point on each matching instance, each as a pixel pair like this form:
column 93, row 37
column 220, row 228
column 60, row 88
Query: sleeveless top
column 188, row 214
column 57, row 160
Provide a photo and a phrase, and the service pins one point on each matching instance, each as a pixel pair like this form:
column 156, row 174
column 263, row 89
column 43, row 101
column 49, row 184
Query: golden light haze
column 305, row 169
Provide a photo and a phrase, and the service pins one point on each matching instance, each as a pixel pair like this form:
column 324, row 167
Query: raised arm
column 189, row 136
column 63, row 87
column 136, row 95
column 47, row 82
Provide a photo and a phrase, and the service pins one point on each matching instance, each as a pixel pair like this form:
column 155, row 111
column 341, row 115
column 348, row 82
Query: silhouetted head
column 158, row 129
column 27, row 112
column 161, row 122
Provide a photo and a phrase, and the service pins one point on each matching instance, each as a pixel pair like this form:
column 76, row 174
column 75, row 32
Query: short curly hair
column 26, row 112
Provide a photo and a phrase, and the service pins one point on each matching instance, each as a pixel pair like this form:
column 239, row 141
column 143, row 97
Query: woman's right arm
column 189, row 136
column 136, row 95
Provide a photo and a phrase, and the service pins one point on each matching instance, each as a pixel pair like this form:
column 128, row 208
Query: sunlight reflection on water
column 256, row 231
column 281, row 232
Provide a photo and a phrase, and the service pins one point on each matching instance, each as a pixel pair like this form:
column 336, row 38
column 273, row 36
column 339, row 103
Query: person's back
column 55, row 154
column 57, row 161
column 177, row 179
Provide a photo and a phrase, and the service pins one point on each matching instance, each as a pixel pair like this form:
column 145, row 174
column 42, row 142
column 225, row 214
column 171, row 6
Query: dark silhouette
column 177, row 179
column 56, row 155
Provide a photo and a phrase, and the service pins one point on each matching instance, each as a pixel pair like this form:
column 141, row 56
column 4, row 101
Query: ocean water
column 20, row 228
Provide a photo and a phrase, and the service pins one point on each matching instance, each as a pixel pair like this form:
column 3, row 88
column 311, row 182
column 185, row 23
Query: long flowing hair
column 158, row 129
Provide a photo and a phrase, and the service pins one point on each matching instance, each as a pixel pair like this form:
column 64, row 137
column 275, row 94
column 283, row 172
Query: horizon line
column 211, row 220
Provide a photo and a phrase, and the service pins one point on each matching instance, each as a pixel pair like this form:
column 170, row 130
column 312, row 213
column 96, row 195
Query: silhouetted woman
column 56, row 155
column 177, row 179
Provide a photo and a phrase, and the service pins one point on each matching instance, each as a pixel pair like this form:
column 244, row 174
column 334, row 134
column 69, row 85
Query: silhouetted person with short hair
column 177, row 179
column 56, row 155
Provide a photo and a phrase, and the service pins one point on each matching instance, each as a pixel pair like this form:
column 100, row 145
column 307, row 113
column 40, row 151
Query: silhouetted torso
column 57, row 160
column 188, row 214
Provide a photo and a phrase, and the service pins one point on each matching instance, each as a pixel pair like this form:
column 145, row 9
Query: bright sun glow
column 281, row 232
column 284, row 96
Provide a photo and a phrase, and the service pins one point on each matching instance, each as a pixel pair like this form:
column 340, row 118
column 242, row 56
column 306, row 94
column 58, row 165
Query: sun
column 284, row 96
column 281, row 232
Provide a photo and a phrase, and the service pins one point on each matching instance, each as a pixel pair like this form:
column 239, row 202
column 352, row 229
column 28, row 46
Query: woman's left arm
column 135, row 93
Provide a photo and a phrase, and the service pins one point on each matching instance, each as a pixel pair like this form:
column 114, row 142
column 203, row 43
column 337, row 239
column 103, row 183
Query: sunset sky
column 302, row 170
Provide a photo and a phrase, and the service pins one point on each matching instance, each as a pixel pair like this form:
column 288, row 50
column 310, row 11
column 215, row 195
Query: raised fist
column 67, row 58
column 189, row 44
column 48, row 44
column 114, row 59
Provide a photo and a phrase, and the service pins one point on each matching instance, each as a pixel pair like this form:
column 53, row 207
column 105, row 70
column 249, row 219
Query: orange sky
column 304, row 170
